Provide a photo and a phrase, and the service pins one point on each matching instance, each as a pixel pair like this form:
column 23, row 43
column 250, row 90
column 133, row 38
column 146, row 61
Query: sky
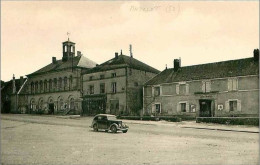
column 32, row 32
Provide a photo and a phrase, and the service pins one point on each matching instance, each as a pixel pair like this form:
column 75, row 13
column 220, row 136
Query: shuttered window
column 232, row 84
column 206, row 86
column 233, row 105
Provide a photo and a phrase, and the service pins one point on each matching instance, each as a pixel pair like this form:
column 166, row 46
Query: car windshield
column 111, row 117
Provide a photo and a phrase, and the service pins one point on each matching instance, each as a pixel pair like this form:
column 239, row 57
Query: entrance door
column 114, row 107
column 51, row 108
column 205, row 108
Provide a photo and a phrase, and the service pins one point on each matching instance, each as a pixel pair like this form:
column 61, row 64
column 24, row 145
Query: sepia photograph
column 129, row 82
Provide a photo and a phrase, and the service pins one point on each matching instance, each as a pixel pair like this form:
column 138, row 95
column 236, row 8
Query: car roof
column 104, row 115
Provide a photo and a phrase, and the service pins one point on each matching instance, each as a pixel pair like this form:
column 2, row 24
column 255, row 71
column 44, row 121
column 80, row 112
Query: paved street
column 27, row 139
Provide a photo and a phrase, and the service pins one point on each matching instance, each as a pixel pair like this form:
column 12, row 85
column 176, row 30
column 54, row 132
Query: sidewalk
column 194, row 125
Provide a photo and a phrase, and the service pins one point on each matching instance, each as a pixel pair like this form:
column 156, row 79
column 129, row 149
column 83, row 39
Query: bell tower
column 68, row 48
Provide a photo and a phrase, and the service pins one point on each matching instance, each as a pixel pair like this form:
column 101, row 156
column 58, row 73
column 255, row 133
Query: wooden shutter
column 187, row 107
column 203, row 86
column 229, row 84
column 187, row 88
column 238, row 105
column 208, row 86
column 227, row 106
column 153, row 108
column 178, row 107
column 177, row 89
column 234, row 84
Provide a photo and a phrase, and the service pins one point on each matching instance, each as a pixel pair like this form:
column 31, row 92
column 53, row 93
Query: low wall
column 230, row 120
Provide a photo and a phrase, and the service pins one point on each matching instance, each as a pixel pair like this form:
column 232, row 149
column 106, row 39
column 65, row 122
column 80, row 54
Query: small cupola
column 68, row 48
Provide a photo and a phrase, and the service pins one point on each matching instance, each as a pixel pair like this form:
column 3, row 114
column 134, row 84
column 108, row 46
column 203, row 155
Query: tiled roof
column 77, row 61
column 120, row 62
column 232, row 68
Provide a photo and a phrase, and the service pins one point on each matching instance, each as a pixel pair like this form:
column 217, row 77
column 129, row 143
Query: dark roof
column 232, row 68
column 120, row 62
column 77, row 61
column 7, row 88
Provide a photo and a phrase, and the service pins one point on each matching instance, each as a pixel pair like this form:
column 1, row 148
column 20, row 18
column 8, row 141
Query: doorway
column 51, row 108
column 205, row 108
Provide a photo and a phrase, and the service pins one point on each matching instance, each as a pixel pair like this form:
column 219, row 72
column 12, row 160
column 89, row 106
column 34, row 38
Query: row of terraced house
column 124, row 85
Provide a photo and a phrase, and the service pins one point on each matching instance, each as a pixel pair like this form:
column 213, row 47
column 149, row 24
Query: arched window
column 32, row 105
column 60, row 83
column 41, row 86
column 55, row 84
column 41, row 104
column 70, row 82
column 50, row 85
column 45, row 86
column 71, row 103
column 65, row 82
column 60, row 104
column 32, row 87
column 65, row 48
column 36, row 87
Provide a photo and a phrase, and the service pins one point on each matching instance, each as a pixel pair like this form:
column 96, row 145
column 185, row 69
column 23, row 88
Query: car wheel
column 95, row 127
column 124, row 131
column 113, row 129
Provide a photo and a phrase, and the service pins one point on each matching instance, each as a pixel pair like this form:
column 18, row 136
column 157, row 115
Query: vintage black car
column 108, row 123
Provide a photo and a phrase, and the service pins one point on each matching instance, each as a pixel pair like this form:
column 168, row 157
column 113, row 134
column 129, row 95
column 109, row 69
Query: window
column 183, row 107
column 102, row 88
column 70, row 82
column 113, row 87
column 158, row 108
column 32, row 87
column 102, row 76
column 113, row 74
column 45, row 86
column 65, row 82
column 233, row 105
column 90, row 78
column 206, row 86
column 55, row 84
column 60, row 83
column 182, row 89
column 156, row 91
column 72, row 48
column 36, row 87
column 41, row 86
column 232, row 84
column 65, row 48
column 50, row 85
column 91, row 89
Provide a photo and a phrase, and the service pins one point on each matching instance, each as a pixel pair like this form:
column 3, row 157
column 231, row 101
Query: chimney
column 78, row 53
column 176, row 64
column 54, row 60
column 14, row 87
column 116, row 55
column 21, row 80
column 256, row 54
column 130, row 49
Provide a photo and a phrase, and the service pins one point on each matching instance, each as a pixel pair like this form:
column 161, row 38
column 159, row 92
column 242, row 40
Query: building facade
column 56, row 88
column 228, row 88
column 115, row 86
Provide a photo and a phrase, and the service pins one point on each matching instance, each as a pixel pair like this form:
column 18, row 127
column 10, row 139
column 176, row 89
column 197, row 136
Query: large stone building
column 228, row 88
column 56, row 88
column 116, row 86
